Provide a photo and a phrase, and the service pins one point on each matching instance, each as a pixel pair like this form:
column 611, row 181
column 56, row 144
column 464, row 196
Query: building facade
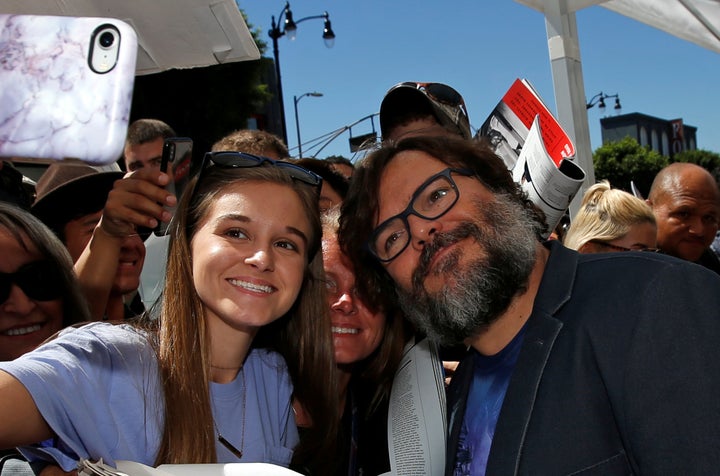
column 667, row 137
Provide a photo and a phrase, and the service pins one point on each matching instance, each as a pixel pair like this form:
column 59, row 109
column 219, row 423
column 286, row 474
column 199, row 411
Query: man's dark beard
column 479, row 291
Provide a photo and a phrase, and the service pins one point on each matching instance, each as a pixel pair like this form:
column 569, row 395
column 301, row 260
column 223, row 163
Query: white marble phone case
column 53, row 105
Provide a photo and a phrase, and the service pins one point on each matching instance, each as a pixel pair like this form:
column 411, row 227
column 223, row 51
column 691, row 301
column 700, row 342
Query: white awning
column 697, row 21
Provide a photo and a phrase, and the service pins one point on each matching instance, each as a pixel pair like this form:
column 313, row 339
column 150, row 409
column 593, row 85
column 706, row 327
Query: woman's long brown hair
column 302, row 336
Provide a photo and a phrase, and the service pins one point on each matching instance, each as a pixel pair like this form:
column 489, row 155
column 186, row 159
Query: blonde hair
column 302, row 336
column 606, row 214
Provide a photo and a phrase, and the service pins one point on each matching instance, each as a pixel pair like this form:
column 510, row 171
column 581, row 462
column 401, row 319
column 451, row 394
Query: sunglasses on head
column 614, row 247
column 39, row 280
column 439, row 92
column 242, row 160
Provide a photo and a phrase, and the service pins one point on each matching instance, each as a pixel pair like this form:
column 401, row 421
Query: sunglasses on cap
column 438, row 92
column 614, row 247
column 233, row 160
column 39, row 280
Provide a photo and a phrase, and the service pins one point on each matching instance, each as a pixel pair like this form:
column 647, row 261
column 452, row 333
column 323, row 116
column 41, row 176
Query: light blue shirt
column 98, row 389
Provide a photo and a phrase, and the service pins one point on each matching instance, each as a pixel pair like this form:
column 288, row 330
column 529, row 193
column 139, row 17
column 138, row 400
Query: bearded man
column 576, row 364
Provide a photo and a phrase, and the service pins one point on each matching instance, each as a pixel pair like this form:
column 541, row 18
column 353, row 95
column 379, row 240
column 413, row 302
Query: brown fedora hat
column 67, row 191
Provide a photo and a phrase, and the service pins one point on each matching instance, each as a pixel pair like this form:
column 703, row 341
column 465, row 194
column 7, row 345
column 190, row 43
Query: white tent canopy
column 171, row 33
column 697, row 21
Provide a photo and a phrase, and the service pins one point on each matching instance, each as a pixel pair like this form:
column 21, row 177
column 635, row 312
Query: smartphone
column 176, row 159
column 66, row 87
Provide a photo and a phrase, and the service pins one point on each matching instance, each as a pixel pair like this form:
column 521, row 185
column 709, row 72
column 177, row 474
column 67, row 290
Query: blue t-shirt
column 485, row 398
column 98, row 389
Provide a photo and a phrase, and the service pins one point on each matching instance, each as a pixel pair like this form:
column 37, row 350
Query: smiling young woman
column 240, row 331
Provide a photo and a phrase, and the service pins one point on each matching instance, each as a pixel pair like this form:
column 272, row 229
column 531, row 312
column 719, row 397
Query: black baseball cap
column 445, row 103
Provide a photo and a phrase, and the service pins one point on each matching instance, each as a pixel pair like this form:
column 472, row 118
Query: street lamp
column 600, row 98
column 296, row 99
column 289, row 26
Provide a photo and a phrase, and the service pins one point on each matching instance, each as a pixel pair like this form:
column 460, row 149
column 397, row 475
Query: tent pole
column 564, row 49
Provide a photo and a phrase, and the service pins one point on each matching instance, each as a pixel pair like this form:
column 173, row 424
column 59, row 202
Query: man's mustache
column 442, row 240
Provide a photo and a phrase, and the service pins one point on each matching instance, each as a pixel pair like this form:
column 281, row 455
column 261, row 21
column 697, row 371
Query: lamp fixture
column 296, row 100
column 328, row 33
column 599, row 100
column 289, row 28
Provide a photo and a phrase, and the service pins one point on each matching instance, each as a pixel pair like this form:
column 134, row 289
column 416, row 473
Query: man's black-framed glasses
column 434, row 198
column 232, row 160
column 39, row 280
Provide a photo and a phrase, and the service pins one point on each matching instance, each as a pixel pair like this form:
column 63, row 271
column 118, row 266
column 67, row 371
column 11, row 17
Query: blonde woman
column 611, row 220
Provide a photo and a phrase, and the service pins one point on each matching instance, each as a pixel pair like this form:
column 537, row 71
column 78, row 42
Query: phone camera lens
column 107, row 39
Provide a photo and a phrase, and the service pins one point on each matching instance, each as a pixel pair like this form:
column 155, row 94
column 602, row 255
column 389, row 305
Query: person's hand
column 450, row 368
column 53, row 470
column 137, row 200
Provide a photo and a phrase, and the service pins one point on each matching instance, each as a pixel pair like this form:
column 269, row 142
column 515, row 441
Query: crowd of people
column 269, row 323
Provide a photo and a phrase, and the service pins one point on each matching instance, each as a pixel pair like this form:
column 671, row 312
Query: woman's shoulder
column 103, row 333
column 96, row 340
column 86, row 358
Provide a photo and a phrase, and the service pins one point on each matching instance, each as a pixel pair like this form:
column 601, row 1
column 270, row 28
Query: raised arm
column 134, row 201
column 22, row 423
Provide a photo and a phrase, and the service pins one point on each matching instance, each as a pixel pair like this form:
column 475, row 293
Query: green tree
column 704, row 158
column 626, row 160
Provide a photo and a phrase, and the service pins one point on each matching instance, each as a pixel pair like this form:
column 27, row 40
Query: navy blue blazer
column 618, row 372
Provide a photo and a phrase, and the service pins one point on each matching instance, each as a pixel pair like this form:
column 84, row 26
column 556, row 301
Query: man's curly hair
column 360, row 207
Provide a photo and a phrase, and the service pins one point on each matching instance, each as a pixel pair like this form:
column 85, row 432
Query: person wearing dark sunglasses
column 39, row 294
column 575, row 363
column 612, row 220
column 413, row 108
column 241, row 329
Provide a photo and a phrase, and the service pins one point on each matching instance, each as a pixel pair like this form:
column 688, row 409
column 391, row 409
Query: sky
column 479, row 47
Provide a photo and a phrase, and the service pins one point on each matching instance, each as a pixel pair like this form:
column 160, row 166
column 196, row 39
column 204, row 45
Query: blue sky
column 479, row 48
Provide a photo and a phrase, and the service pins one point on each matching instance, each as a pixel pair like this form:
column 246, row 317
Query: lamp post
column 600, row 98
column 289, row 26
column 296, row 100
